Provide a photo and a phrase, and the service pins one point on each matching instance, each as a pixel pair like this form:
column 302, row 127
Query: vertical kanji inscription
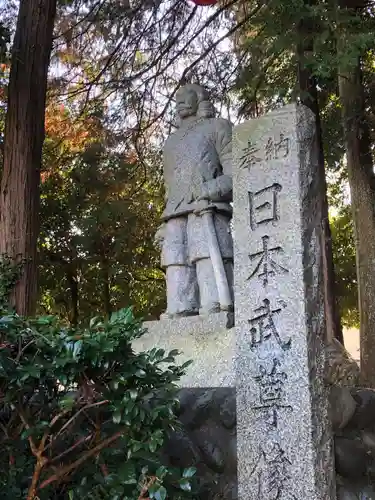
column 264, row 205
column 272, row 471
column 276, row 149
column 271, row 392
column 266, row 266
column 263, row 328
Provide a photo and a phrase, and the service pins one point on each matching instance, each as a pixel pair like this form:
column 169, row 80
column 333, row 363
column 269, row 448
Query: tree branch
column 69, row 468
column 73, row 447
column 92, row 405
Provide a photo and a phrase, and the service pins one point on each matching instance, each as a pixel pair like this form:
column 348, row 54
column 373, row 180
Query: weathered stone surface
column 207, row 441
column 357, row 491
column 195, row 239
column 355, row 450
column 364, row 416
column 207, row 340
column 342, row 407
column 342, row 370
column 284, row 437
column 368, row 439
column 351, row 460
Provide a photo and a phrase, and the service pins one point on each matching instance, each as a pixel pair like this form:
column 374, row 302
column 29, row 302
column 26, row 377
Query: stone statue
column 195, row 239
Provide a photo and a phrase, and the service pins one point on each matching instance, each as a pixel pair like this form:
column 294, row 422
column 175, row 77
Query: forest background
column 114, row 68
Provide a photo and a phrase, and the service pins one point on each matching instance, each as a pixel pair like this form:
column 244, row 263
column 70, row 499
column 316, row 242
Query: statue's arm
column 166, row 173
column 220, row 189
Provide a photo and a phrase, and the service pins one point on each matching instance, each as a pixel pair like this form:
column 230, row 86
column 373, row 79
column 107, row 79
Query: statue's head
column 193, row 100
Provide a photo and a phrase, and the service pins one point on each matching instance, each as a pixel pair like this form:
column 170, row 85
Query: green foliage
column 345, row 266
column 9, row 275
column 100, row 207
column 343, row 246
column 4, row 41
column 82, row 415
column 299, row 33
column 100, row 211
column 269, row 44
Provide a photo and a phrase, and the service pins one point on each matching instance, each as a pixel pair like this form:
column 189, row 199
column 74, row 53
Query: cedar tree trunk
column 309, row 97
column 24, row 136
column 362, row 188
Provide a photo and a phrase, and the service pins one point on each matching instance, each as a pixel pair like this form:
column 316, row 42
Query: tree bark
column 362, row 189
column 24, row 137
column 309, row 97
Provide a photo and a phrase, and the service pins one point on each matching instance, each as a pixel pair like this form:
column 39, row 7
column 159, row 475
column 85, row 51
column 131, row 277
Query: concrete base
column 207, row 340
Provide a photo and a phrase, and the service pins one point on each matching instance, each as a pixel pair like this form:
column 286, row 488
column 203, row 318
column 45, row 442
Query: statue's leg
column 181, row 280
column 181, row 291
column 209, row 298
column 199, row 253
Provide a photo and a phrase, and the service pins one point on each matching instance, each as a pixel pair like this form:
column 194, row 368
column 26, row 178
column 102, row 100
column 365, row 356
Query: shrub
column 82, row 415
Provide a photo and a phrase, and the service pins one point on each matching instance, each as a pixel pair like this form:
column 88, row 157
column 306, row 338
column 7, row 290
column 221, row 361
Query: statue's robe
column 195, row 155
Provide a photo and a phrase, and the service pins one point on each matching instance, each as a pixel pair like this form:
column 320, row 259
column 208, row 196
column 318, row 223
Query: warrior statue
column 195, row 239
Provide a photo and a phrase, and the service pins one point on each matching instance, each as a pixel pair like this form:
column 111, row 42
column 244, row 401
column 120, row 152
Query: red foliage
column 70, row 133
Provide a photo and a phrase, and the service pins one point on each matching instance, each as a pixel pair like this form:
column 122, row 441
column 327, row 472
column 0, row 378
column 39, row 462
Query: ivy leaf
column 184, row 484
column 116, row 417
column 133, row 394
column 173, row 353
column 158, row 492
column 189, row 472
column 128, row 473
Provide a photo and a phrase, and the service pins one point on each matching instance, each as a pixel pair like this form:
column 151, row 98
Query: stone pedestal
column 207, row 340
column 284, row 438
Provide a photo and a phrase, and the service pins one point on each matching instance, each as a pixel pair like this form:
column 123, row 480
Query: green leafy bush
column 82, row 415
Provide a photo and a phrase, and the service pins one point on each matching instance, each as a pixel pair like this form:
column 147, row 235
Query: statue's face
column 186, row 102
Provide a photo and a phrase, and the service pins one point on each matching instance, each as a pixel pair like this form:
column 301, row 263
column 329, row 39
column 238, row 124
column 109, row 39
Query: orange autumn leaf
column 73, row 134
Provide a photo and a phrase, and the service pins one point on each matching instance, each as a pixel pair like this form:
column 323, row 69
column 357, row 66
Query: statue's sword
column 207, row 213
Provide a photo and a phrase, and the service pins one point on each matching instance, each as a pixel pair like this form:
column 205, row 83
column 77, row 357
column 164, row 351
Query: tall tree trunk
column 24, row 136
column 362, row 189
column 309, row 97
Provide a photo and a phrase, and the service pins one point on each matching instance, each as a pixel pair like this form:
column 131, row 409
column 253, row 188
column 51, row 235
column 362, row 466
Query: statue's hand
column 159, row 236
column 201, row 193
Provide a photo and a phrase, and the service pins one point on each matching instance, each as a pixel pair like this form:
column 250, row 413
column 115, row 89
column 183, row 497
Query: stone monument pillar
column 284, row 439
